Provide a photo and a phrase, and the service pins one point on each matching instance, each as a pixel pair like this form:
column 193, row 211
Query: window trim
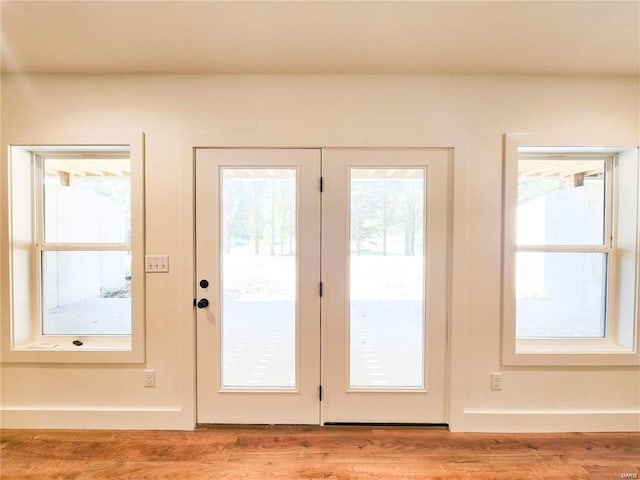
column 562, row 351
column 59, row 348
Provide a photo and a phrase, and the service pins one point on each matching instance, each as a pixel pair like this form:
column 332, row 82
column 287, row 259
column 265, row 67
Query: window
column 570, row 255
column 83, row 244
column 75, row 254
column 563, row 245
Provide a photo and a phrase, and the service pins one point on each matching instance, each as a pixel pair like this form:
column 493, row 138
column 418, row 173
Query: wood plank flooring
column 315, row 453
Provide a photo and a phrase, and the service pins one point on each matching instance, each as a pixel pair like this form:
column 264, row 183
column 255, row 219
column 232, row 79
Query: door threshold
column 444, row 426
column 434, row 426
column 207, row 426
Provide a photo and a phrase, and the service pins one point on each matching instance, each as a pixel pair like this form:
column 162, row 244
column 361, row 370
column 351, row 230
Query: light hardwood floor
column 315, row 453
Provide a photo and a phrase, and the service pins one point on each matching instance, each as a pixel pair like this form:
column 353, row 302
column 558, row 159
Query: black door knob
column 204, row 283
column 204, row 303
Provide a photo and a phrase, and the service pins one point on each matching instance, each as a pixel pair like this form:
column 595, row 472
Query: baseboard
column 539, row 421
column 174, row 418
column 168, row 418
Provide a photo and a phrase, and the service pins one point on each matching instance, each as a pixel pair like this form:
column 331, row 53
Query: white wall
column 467, row 113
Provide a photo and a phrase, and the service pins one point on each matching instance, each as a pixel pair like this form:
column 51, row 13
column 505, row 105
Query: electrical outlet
column 150, row 378
column 496, row 381
column 156, row 263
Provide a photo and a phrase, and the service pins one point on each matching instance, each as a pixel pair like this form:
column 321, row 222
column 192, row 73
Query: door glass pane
column 387, row 278
column 560, row 202
column 258, row 238
column 87, row 201
column 560, row 295
column 86, row 293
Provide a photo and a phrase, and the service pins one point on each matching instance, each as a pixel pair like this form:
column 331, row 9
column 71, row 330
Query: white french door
column 385, row 242
column 258, row 270
column 379, row 233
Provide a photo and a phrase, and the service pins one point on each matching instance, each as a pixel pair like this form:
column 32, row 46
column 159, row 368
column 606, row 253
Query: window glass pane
column 86, row 293
column 387, row 278
column 259, row 277
column 87, row 201
column 560, row 295
column 560, row 202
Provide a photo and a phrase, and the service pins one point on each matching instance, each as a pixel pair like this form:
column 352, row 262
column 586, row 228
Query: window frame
column 42, row 246
column 574, row 351
column 36, row 346
column 606, row 247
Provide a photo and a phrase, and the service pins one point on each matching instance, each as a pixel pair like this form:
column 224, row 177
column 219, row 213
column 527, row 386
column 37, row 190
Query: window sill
column 62, row 350
column 570, row 352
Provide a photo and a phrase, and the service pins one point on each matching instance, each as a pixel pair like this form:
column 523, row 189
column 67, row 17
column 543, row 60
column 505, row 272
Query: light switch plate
column 156, row 263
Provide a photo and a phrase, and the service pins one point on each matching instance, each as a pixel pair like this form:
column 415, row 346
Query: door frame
column 189, row 237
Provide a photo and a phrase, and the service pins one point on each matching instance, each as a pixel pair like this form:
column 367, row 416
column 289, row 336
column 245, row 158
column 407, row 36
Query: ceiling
column 322, row 37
